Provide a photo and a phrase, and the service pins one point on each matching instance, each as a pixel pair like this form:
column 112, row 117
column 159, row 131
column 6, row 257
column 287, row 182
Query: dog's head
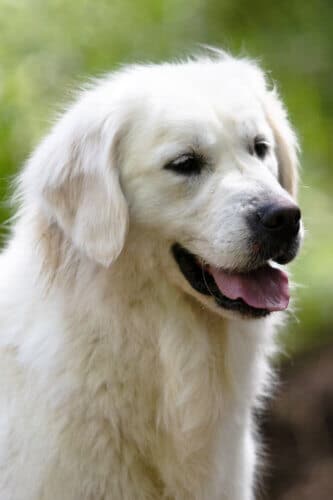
column 199, row 153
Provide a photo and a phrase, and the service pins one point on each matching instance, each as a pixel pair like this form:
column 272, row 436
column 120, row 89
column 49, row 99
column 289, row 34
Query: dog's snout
column 278, row 218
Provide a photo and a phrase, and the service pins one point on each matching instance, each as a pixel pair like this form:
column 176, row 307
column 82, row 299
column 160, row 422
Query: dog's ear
column 75, row 171
column 286, row 142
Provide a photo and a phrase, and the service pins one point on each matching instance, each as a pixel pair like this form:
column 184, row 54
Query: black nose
column 278, row 218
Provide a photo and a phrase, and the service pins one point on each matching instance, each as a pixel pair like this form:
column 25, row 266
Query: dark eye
column 260, row 147
column 187, row 164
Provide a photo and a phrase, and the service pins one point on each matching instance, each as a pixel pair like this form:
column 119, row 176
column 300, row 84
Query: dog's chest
column 166, row 398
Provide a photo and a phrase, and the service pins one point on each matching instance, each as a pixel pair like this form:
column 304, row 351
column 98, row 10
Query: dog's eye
column 187, row 164
column 260, row 147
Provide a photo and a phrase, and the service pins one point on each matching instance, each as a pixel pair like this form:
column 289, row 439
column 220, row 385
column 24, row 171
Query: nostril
column 297, row 215
column 277, row 217
column 274, row 220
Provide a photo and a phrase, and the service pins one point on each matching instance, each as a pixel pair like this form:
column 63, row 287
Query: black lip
column 204, row 283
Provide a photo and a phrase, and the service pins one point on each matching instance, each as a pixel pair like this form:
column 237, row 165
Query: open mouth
column 255, row 293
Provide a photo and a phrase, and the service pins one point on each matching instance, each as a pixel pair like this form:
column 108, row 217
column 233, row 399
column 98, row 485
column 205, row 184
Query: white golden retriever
column 139, row 293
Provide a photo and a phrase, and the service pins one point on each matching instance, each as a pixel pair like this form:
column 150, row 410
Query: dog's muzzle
column 258, row 288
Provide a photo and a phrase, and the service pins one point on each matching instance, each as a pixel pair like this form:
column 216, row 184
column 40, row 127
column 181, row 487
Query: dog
column 142, row 286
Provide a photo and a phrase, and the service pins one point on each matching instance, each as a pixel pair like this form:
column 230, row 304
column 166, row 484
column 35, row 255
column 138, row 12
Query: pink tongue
column 265, row 288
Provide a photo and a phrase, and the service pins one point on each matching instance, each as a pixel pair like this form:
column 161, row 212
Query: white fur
column 118, row 381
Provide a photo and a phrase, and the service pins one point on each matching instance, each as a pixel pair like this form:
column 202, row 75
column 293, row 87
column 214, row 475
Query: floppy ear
column 286, row 142
column 75, row 172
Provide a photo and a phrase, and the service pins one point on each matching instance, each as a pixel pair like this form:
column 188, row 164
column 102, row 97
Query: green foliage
column 49, row 47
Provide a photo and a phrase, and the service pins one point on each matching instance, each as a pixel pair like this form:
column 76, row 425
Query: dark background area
column 49, row 47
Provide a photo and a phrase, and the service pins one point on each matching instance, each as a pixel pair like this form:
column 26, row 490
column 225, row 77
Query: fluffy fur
column 118, row 380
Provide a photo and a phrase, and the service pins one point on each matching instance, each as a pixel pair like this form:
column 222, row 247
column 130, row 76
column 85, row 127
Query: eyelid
column 186, row 155
column 178, row 164
column 183, row 157
column 261, row 139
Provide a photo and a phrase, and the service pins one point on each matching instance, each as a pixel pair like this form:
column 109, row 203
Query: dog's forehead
column 207, row 122
column 211, row 94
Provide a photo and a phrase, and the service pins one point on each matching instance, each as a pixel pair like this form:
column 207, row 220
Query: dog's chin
column 205, row 285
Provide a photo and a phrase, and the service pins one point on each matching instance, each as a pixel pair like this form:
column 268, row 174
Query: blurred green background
column 48, row 47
